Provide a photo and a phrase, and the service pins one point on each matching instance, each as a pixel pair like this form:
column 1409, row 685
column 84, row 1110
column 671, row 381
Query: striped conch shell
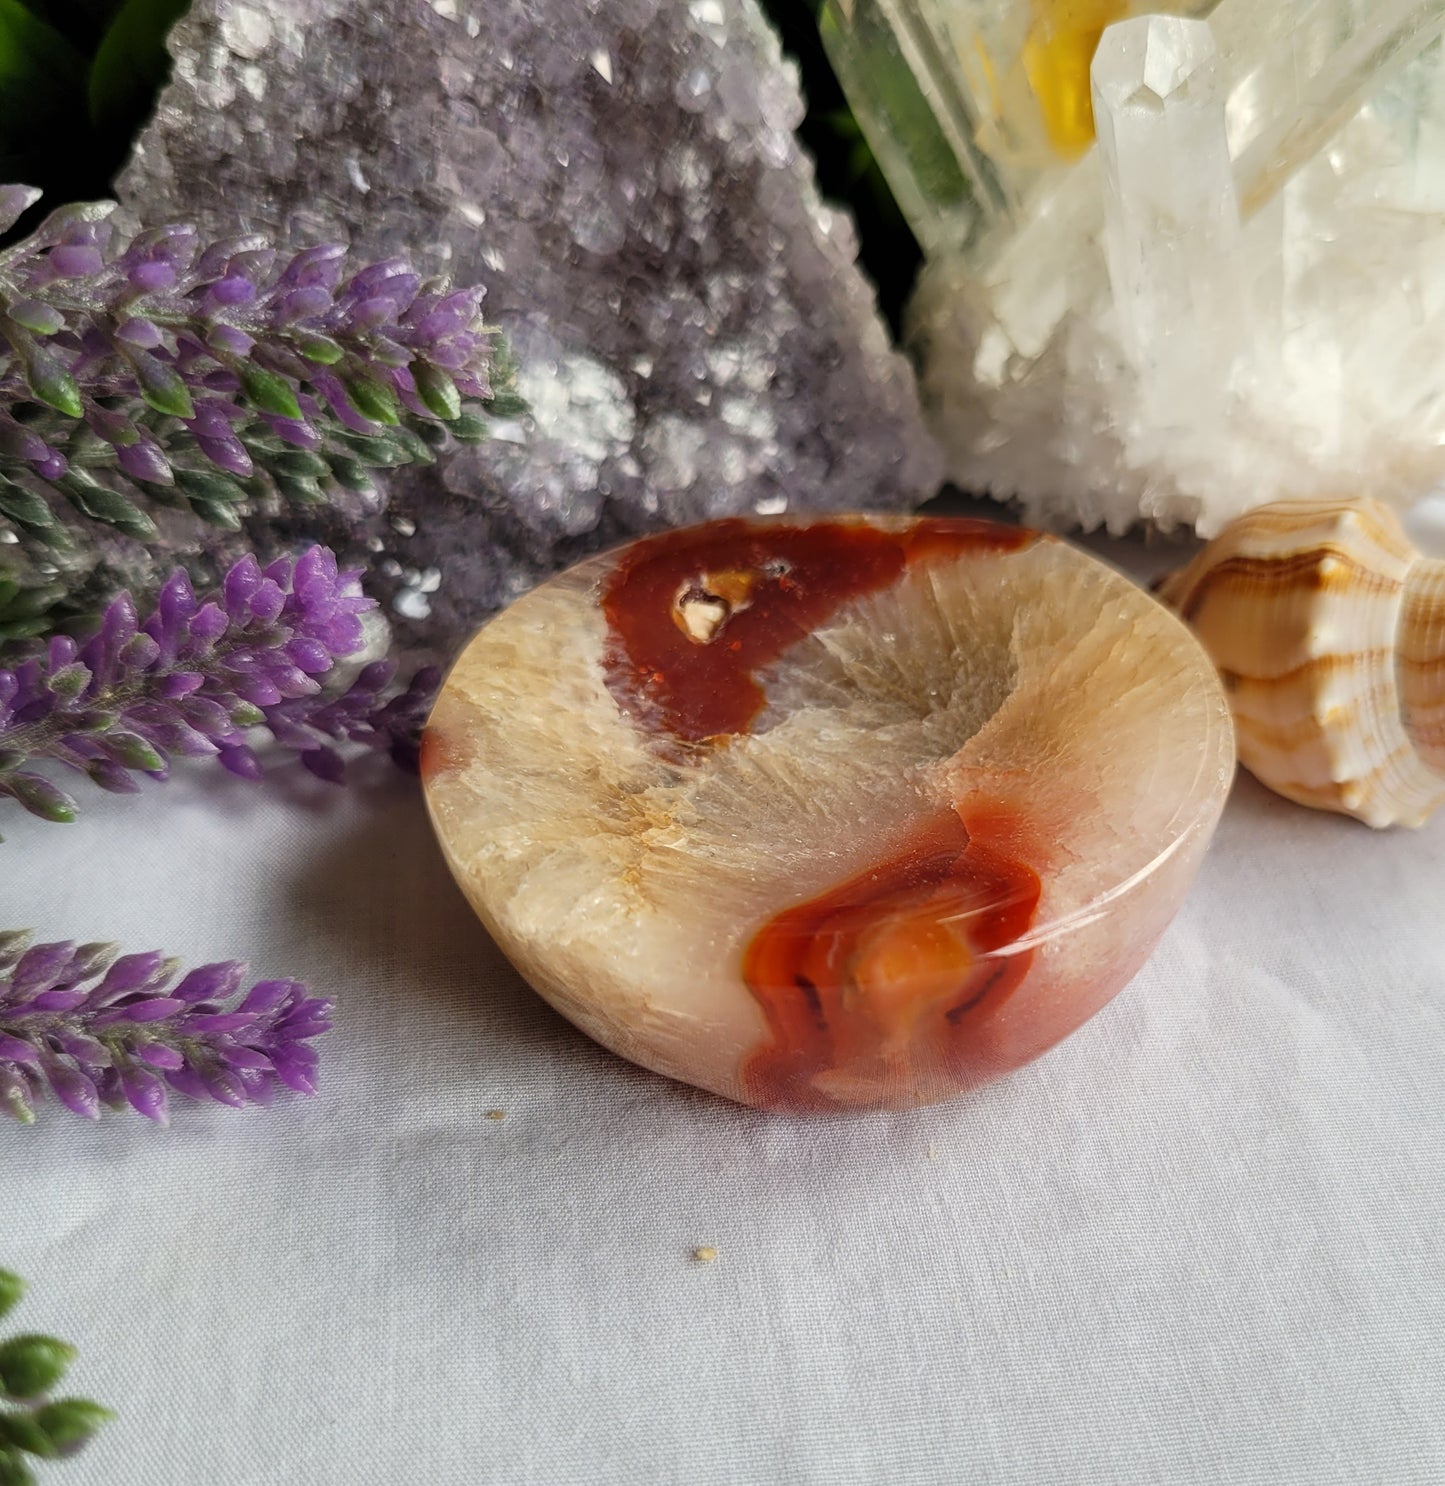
column 1328, row 629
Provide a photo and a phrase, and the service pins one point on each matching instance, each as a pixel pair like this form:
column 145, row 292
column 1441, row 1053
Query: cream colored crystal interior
column 626, row 885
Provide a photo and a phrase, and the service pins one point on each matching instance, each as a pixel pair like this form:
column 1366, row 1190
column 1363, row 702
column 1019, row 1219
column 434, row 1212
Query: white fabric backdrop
column 1201, row 1241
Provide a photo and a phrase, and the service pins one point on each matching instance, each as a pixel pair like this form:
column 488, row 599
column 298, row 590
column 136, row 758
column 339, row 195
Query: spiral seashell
column 1328, row 629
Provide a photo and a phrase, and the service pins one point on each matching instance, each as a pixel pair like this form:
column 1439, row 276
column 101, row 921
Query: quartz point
column 1170, row 312
column 829, row 814
column 1171, row 236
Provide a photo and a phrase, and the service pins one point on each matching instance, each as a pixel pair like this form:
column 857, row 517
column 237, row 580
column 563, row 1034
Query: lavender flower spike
column 91, row 1029
column 194, row 677
column 216, row 377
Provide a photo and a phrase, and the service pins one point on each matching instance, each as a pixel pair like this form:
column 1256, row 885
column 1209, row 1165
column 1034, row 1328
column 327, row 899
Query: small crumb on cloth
column 496, row 1114
column 705, row 1254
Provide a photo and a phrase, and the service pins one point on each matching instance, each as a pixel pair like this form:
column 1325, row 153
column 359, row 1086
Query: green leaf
column 13, row 1470
column 20, row 1432
column 39, row 71
column 32, row 601
column 350, row 474
column 25, row 629
column 417, row 448
column 162, row 495
column 31, row 1365
column 260, row 441
column 70, row 1422
column 40, row 797
column 211, row 485
column 12, row 1291
column 56, row 537
column 269, row 391
column 506, row 404
column 321, row 349
column 25, row 612
column 374, row 400
column 300, row 464
column 131, row 63
column 131, row 751
column 375, row 451
column 217, row 513
column 161, row 385
column 24, row 506
column 81, row 22
column 470, row 428
column 37, row 316
column 437, row 391
column 47, row 378
column 101, row 503
column 84, row 446
column 300, row 490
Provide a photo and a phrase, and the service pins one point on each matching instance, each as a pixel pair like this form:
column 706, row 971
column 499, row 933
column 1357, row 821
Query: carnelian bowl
column 833, row 814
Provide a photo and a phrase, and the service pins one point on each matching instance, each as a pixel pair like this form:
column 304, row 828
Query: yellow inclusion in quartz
column 1057, row 54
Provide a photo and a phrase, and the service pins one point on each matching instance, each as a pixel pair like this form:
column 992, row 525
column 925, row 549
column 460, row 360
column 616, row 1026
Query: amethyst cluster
column 96, row 1030
column 194, row 676
column 218, row 377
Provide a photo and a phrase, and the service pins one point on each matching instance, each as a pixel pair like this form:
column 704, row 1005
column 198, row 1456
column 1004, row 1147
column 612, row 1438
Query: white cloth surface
column 1199, row 1242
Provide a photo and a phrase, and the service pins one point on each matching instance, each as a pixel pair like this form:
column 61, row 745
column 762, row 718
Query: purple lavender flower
column 92, row 1030
column 216, row 376
column 364, row 714
column 195, row 676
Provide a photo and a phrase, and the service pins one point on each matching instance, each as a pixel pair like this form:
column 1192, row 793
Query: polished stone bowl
column 838, row 814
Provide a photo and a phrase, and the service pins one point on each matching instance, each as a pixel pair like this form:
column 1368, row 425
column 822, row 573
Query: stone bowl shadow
column 381, row 893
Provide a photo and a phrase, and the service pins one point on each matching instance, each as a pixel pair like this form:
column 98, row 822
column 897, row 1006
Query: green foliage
column 130, row 64
column 78, row 79
column 24, row 507
column 40, row 74
column 32, row 1365
column 269, row 392
column 847, row 171
column 31, row 1423
column 26, row 612
column 101, row 503
column 70, row 1422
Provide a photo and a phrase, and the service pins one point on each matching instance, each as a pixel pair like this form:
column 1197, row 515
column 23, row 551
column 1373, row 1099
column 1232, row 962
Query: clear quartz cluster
column 1180, row 264
column 693, row 336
